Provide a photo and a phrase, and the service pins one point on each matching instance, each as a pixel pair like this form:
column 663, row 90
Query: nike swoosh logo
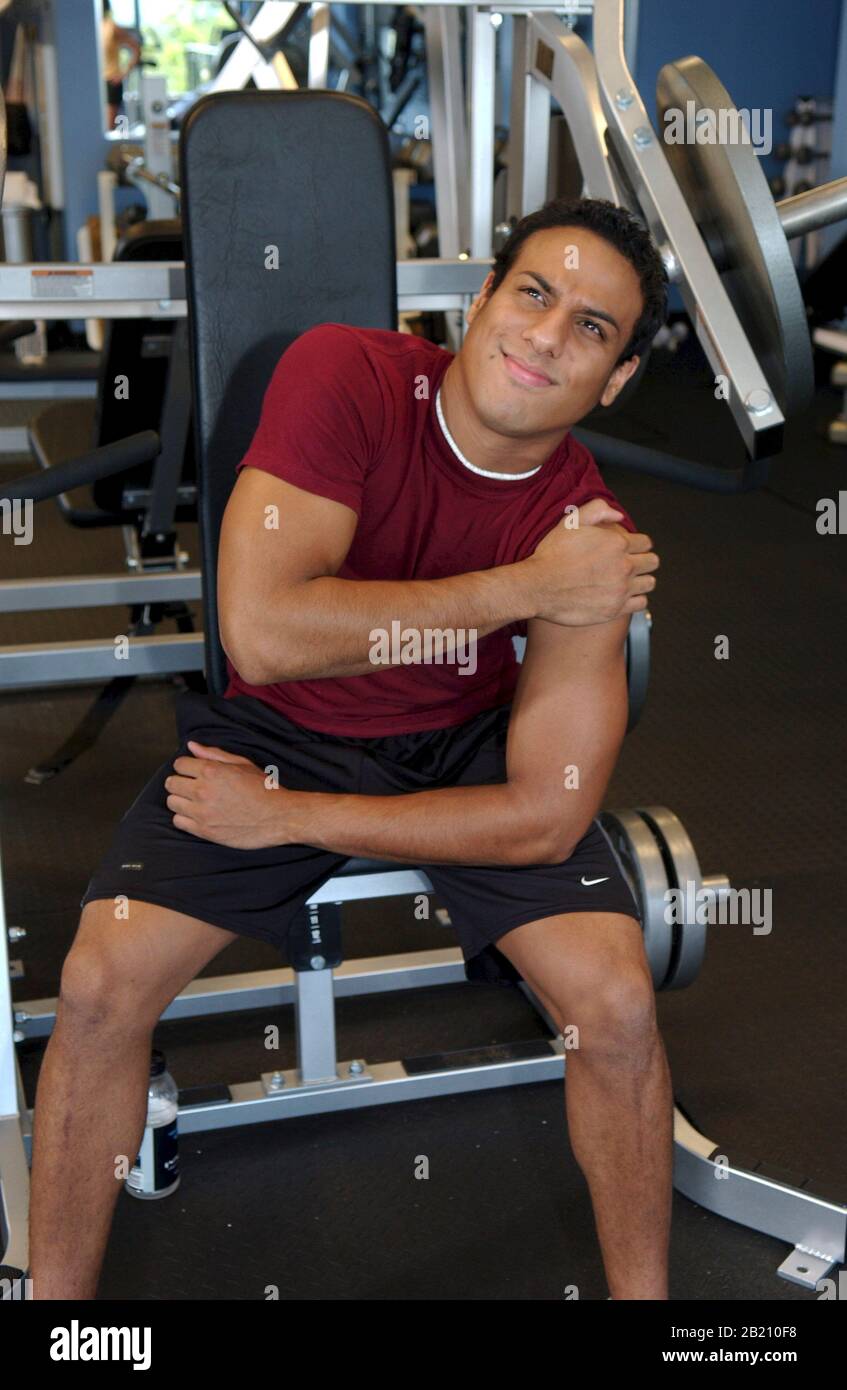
column 588, row 881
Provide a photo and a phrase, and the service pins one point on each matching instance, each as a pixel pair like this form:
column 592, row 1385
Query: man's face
column 540, row 319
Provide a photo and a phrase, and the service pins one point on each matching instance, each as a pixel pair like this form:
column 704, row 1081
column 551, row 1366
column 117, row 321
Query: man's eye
column 532, row 289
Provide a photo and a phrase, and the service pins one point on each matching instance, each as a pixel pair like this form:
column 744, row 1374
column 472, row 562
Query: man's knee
column 591, row 973
column 102, row 977
column 609, row 994
column 619, row 1014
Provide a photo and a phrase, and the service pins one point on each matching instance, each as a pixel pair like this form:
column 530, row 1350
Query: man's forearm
column 452, row 825
column 323, row 626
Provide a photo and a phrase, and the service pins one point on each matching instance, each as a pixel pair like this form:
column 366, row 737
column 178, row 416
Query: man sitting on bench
column 401, row 514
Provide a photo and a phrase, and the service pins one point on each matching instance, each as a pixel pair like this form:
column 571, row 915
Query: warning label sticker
column 62, row 284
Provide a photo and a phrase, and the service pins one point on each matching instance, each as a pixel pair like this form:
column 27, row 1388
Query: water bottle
column 155, row 1172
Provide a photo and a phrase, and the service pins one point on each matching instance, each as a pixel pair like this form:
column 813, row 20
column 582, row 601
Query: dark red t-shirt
column 350, row 414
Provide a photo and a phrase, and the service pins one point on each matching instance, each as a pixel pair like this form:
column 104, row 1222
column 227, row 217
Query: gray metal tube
column 17, row 233
column 806, row 212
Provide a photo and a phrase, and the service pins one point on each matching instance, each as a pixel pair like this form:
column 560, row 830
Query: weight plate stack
column 657, row 855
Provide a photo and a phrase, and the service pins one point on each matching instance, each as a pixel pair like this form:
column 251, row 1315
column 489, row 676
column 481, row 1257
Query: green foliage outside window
column 168, row 28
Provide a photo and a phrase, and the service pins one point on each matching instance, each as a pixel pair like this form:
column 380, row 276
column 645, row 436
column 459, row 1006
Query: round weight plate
column 638, row 663
column 644, row 867
column 682, row 868
column 729, row 198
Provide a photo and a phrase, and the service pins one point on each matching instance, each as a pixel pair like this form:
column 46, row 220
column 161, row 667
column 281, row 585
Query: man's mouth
column 521, row 372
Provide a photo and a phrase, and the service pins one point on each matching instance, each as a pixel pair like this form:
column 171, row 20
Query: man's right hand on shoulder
column 592, row 572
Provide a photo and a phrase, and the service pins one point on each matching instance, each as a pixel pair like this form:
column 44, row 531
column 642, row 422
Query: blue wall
column 766, row 52
column 838, row 166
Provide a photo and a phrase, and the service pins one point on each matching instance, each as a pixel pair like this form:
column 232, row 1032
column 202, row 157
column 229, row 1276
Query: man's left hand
column 225, row 798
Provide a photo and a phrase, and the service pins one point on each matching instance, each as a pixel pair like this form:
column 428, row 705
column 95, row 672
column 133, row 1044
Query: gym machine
column 653, row 848
column 724, row 241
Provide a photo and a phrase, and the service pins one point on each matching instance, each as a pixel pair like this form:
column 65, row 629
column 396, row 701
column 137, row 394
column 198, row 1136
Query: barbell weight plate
column 641, row 857
column 682, row 867
column 729, row 198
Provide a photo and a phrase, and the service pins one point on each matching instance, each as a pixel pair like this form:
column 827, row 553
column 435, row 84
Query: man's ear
column 617, row 381
column 481, row 299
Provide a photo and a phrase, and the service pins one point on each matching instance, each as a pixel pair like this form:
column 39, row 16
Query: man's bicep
column 567, row 723
column 273, row 536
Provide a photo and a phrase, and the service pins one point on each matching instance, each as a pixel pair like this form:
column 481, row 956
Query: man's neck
column 483, row 448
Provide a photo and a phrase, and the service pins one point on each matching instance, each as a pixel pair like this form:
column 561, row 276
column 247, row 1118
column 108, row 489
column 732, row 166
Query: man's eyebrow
column 583, row 308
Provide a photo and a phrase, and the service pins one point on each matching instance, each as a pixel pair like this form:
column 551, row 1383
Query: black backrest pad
column 308, row 172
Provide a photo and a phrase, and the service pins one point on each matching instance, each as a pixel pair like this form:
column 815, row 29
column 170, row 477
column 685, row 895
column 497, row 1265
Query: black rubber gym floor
column 749, row 752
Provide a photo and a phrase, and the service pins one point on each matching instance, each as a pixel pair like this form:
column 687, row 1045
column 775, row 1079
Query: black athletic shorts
column 256, row 892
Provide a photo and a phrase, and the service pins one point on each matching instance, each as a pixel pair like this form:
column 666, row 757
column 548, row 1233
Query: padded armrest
column 99, row 463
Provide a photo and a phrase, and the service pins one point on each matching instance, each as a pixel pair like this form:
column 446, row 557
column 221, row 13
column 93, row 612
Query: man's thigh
column 254, row 893
column 487, row 902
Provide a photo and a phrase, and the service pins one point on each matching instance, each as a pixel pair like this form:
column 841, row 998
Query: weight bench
column 240, row 321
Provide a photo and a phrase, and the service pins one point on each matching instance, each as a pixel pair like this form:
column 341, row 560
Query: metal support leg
column 529, row 127
column 753, row 1196
column 314, row 1012
column 14, row 1172
column 481, row 54
column 449, row 140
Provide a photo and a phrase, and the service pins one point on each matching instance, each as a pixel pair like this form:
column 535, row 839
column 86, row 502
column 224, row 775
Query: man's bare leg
column 91, row 1101
column 589, row 970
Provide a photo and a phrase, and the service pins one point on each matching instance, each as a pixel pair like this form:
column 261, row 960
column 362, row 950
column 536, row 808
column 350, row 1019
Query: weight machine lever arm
column 752, row 398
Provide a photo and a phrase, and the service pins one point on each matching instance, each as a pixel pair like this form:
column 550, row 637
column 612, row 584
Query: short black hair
column 622, row 230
